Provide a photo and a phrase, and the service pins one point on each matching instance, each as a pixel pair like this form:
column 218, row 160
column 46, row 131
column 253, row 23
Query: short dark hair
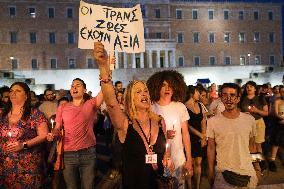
column 47, row 89
column 4, row 89
column 231, row 85
column 65, row 98
column 117, row 82
column 82, row 81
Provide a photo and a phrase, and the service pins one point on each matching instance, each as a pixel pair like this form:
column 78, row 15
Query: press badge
column 151, row 158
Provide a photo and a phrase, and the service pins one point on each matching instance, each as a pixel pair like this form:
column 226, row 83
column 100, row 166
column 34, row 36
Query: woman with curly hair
column 256, row 105
column 167, row 91
column 140, row 131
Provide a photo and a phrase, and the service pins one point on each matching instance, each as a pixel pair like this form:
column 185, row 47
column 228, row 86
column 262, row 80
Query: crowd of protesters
column 152, row 128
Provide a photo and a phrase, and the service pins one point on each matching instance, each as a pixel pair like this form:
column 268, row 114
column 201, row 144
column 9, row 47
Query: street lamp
column 11, row 59
column 248, row 57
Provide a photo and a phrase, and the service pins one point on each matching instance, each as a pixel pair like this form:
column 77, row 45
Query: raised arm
column 118, row 118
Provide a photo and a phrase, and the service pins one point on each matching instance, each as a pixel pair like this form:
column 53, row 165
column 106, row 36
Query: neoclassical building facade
column 43, row 35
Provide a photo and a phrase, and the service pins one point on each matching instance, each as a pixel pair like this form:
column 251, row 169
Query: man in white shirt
column 230, row 141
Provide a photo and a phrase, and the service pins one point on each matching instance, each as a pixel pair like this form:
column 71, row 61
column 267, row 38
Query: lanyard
column 147, row 140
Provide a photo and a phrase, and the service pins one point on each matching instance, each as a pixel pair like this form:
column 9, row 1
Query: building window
column 227, row 60
column 33, row 37
column 143, row 10
column 272, row 60
column 71, row 63
column 53, row 63
column 70, row 13
column 90, row 63
column 32, row 12
column 52, row 38
column 227, row 37
column 271, row 37
column 241, row 15
column 180, row 38
column 158, row 35
column 146, row 33
column 12, row 11
column 181, row 61
column 195, row 37
column 242, row 60
column 210, row 14
column 71, row 38
column 14, row 62
column 51, row 12
column 226, row 15
column 270, row 15
column 13, row 37
column 256, row 37
column 194, row 14
column 255, row 15
column 178, row 14
column 241, row 37
column 212, row 60
column 197, row 61
column 34, row 64
column 157, row 13
column 211, row 38
column 257, row 60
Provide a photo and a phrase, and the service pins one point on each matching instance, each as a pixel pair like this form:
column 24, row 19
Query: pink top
column 78, row 122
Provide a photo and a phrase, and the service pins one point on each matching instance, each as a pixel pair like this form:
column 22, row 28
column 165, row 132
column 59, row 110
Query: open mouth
column 144, row 100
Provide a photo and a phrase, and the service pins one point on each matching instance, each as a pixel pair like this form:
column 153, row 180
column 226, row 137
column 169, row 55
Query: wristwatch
column 25, row 145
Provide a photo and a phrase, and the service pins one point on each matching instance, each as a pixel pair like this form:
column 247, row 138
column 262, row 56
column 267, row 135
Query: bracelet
column 109, row 77
column 105, row 81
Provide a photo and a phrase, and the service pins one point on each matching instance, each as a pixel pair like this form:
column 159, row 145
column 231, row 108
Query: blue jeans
column 80, row 165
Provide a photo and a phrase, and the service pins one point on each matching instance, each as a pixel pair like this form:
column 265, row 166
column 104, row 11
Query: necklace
column 16, row 114
column 147, row 139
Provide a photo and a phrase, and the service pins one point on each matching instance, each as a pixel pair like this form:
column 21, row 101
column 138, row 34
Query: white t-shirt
column 232, row 142
column 174, row 114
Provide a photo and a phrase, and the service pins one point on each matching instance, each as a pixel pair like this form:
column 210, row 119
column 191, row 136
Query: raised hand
column 100, row 55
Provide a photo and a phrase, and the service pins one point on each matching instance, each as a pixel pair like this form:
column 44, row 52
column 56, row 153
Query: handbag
column 166, row 182
column 236, row 179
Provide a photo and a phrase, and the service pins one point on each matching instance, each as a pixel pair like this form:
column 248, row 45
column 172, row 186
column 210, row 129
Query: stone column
column 133, row 62
column 141, row 60
column 116, row 60
column 125, row 60
column 158, row 59
column 173, row 62
column 166, row 59
column 150, row 64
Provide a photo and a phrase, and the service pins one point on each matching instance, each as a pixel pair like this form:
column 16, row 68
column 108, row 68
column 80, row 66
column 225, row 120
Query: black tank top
column 195, row 120
column 136, row 173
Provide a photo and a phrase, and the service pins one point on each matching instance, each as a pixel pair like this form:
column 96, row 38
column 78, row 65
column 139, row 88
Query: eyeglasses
column 229, row 96
column 52, row 94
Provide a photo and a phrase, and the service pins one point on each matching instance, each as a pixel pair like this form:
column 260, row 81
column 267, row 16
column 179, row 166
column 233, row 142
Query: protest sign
column 119, row 29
